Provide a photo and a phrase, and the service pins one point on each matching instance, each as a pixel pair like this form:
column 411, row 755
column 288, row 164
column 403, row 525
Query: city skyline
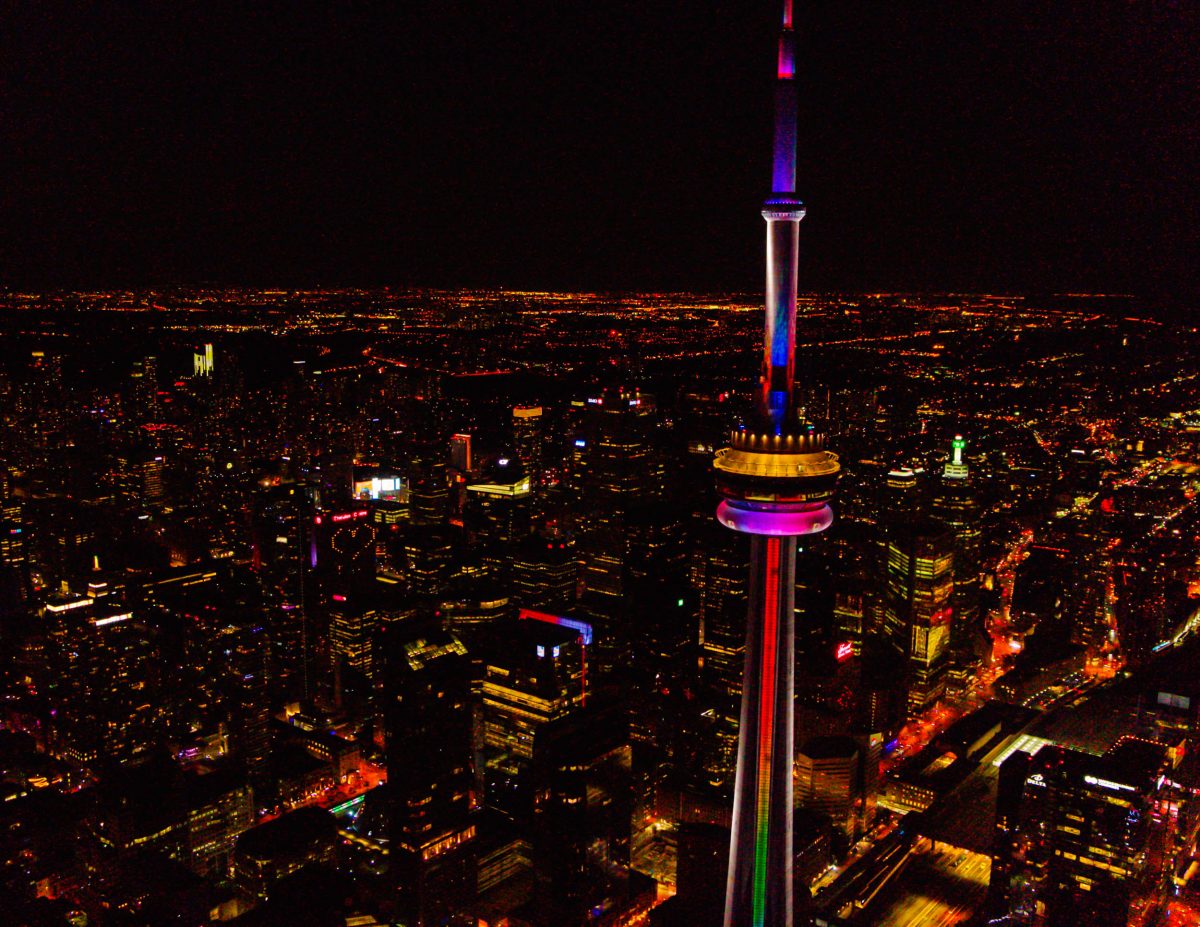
column 430, row 598
column 288, row 579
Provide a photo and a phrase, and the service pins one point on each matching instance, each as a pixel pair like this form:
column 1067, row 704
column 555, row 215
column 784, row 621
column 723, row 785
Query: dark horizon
column 608, row 147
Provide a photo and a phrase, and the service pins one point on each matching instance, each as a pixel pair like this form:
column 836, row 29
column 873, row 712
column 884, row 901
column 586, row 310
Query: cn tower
column 776, row 478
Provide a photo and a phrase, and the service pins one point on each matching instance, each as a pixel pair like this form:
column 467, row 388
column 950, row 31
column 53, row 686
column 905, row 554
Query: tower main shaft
column 776, row 478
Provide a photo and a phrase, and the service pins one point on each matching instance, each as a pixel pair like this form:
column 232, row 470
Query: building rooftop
column 529, row 634
column 965, row 734
column 829, row 747
column 1130, row 765
column 1137, row 762
column 289, row 835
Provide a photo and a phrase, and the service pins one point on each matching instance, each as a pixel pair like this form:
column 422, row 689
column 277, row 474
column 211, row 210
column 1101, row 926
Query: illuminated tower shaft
column 776, row 478
column 760, row 874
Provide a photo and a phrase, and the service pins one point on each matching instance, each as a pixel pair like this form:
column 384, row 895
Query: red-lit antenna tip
column 787, row 14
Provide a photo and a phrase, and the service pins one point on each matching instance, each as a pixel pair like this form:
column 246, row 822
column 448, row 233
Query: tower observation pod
column 776, row 478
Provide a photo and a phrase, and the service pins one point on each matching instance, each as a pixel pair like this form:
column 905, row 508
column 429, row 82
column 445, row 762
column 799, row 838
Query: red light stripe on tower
column 766, row 729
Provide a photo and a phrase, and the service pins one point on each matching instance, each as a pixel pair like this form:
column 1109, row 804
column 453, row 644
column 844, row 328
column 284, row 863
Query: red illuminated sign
column 347, row 516
column 845, row 651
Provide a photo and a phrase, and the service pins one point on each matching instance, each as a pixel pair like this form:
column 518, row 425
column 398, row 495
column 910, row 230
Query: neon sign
column 1108, row 784
column 584, row 629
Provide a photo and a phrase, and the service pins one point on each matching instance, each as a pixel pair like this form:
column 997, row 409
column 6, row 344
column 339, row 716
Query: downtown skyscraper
column 776, row 478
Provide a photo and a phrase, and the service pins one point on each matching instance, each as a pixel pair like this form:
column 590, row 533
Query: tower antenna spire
column 783, row 179
column 783, row 211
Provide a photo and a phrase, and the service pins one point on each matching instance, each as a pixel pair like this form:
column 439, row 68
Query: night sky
column 598, row 145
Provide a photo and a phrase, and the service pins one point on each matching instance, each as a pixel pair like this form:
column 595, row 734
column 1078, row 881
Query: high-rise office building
column 429, row 493
column 332, row 476
column 139, row 479
column 343, row 551
column 499, row 508
column 461, row 458
column 956, row 503
column 719, row 577
column 829, row 780
column 1074, row 834
column 653, row 618
column 713, row 614
column 622, row 473
column 1087, row 599
column 108, row 666
column 917, row 609
column 582, row 811
column 249, row 698
column 425, row 558
column 431, row 776
column 353, row 624
column 1151, row 600
column 219, row 807
column 341, row 573
column 282, row 557
column 855, row 547
column 14, row 557
column 202, row 361
column 545, row 571
column 529, row 439
column 623, row 465
column 143, row 390
column 536, row 675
